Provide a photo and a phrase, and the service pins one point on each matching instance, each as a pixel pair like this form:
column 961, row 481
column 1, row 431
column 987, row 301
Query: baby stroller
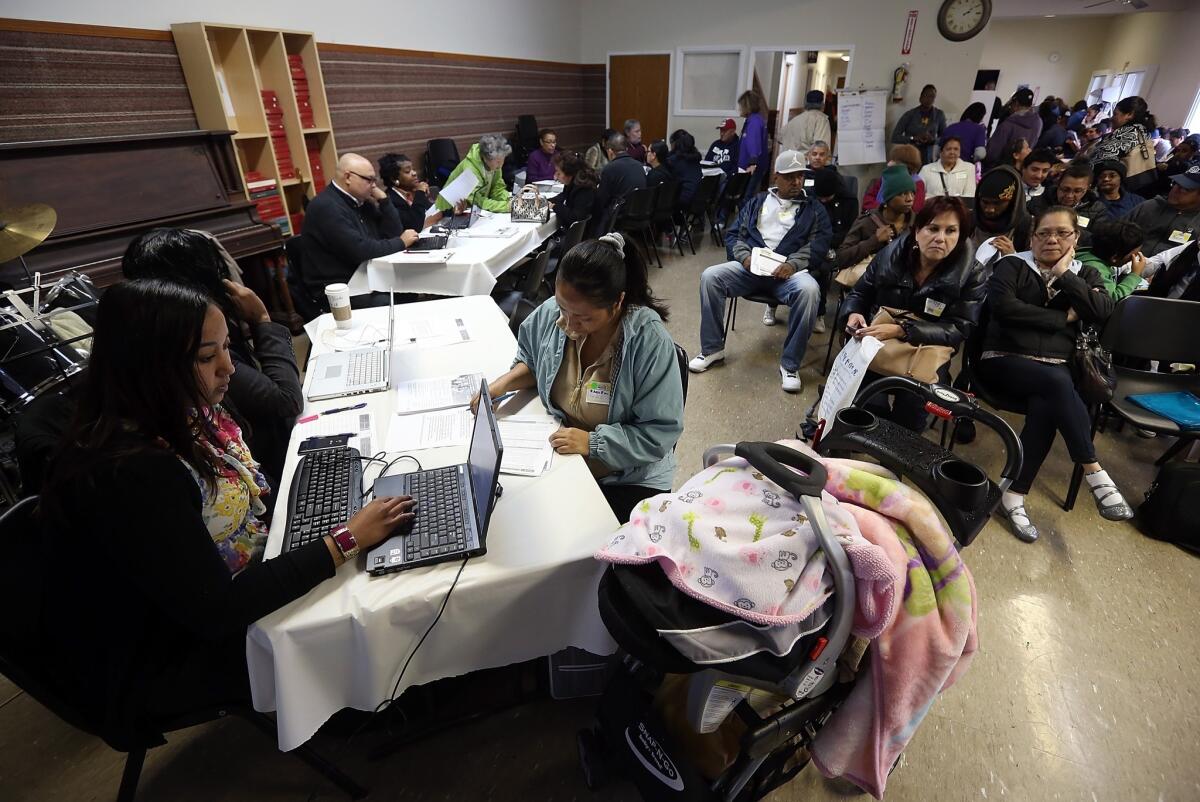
column 662, row 631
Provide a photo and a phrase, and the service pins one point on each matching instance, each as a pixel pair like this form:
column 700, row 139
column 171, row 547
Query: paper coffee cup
column 339, row 304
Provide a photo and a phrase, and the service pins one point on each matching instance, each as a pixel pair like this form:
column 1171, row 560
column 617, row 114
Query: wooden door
column 638, row 89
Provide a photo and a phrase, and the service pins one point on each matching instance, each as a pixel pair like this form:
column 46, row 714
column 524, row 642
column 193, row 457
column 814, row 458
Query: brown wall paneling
column 396, row 102
column 62, row 86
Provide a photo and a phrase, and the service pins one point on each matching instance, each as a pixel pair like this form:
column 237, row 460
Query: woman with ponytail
column 1129, row 143
column 605, row 366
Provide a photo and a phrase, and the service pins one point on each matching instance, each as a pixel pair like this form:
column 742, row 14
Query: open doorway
column 785, row 75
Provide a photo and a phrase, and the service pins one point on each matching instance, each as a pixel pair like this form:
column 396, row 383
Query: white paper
column 527, row 449
column 460, row 188
column 503, row 232
column 986, row 251
column 862, row 118
column 442, row 392
column 451, row 427
column 359, row 423
column 846, row 376
column 431, row 332
column 764, row 261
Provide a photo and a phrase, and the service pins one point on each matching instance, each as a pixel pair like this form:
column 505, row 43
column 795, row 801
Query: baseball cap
column 1187, row 180
column 728, row 125
column 790, row 161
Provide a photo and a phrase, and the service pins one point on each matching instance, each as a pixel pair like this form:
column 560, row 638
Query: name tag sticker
column 1083, row 221
column 809, row 183
column 934, row 308
column 598, row 393
column 1180, row 236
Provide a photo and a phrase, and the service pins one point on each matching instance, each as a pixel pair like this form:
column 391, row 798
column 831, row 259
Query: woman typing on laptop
column 151, row 517
column 605, row 366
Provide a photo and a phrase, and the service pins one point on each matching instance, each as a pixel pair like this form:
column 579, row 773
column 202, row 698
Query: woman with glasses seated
column 540, row 165
column 1037, row 301
column 158, row 504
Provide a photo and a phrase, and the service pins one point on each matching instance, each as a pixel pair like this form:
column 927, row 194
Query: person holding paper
column 1036, row 301
column 1002, row 224
column 484, row 161
column 349, row 222
column 929, row 273
column 795, row 228
column 603, row 364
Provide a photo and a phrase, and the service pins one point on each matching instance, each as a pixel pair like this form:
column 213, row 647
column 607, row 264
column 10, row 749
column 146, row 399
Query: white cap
column 790, row 161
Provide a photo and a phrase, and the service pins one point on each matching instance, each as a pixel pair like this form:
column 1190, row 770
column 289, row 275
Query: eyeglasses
column 1057, row 233
column 370, row 179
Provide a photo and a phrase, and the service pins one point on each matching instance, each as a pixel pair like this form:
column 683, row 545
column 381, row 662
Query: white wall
column 1020, row 49
column 873, row 27
column 1168, row 40
column 547, row 30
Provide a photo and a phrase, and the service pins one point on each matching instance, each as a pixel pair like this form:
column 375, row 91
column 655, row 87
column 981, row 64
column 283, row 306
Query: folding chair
column 637, row 214
column 696, row 215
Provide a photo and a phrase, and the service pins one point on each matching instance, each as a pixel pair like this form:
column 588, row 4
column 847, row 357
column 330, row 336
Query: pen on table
column 315, row 415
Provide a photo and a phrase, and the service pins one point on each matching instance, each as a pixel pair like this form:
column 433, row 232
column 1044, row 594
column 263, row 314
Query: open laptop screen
column 484, row 460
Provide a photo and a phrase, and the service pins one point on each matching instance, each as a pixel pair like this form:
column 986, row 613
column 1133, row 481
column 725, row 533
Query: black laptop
column 454, row 504
column 461, row 221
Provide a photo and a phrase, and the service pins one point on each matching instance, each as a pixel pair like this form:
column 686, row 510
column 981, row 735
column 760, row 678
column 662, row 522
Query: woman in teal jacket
column 605, row 366
column 484, row 159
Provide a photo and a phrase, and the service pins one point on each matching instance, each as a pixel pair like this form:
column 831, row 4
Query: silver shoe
column 1026, row 533
column 1120, row 511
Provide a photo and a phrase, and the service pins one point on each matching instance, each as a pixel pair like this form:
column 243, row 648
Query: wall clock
column 960, row 20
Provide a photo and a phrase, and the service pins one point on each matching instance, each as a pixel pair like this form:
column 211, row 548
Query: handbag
column 898, row 358
column 849, row 276
column 528, row 206
column 1140, row 168
column 1092, row 368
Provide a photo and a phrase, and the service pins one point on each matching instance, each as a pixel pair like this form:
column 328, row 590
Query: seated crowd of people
column 182, row 422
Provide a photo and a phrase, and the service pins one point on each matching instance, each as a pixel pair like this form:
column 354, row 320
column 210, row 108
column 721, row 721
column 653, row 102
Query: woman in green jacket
column 1116, row 254
column 484, row 159
column 605, row 366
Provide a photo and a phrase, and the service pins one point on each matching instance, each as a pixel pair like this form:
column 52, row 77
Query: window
column 1113, row 87
column 1193, row 118
column 707, row 80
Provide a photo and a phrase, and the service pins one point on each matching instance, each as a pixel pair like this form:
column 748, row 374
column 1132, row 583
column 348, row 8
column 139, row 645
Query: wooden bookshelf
column 227, row 68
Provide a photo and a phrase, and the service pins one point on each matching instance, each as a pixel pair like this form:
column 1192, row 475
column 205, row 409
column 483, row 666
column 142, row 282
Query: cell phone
column 328, row 441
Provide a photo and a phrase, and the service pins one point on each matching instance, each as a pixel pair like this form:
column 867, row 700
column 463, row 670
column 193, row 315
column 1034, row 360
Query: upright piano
column 108, row 190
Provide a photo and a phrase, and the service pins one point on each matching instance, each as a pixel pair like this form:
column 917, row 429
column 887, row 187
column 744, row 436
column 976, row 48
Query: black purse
column 1092, row 368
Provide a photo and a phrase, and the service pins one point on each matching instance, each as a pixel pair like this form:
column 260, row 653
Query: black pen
column 342, row 409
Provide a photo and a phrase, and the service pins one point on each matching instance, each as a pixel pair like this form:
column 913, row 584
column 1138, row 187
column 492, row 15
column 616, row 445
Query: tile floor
column 1084, row 687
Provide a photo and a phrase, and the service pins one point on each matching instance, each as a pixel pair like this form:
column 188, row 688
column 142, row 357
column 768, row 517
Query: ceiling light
column 1050, row 16
column 844, row 58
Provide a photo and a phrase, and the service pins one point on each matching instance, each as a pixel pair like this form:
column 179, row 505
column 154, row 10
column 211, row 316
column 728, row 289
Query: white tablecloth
column 474, row 264
column 532, row 594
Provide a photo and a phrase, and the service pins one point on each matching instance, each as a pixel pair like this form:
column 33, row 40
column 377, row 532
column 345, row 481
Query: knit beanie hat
column 1117, row 167
column 825, row 182
column 998, row 185
column 896, row 180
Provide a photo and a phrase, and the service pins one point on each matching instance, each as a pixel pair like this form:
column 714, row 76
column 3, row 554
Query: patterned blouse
column 232, row 502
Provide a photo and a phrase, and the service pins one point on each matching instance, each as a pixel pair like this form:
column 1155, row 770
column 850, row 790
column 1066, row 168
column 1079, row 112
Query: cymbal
column 23, row 228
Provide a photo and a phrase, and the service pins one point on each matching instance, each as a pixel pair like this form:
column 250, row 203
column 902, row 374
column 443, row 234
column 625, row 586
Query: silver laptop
column 454, row 504
column 362, row 370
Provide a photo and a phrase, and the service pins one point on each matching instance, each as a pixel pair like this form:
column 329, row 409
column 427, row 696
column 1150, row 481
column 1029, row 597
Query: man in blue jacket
column 796, row 228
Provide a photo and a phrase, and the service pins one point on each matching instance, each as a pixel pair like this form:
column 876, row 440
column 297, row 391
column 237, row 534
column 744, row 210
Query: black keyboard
column 439, row 531
column 435, row 242
column 326, row 491
column 458, row 221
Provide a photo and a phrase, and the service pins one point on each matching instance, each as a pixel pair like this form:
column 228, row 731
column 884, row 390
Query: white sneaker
column 790, row 380
column 703, row 362
column 819, row 326
column 769, row 316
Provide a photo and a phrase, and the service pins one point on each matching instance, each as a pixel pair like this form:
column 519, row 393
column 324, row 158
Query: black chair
column 441, row 157
column 682, row 357
column 729, row 202
column 636, row 214
column 527, row 136
column 516, row 304
column 731, row 308
column 1163, row 329
column 664, row 211
column 696, row 215
column 307, row 306
column 572, row 237
column 20, row 663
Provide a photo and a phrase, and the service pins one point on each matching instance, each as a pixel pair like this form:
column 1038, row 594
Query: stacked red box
column 264, row 194
column 297, row 223
column 279, row 144
column 300, row 84
column 314, row 164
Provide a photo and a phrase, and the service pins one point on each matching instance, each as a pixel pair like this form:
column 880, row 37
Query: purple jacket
column 972, row 135
column 540, row 167
column 754, row 144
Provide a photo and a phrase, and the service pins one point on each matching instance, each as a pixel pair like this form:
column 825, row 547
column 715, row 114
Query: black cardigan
column 412, row 215
column 573, row 203
column 138, row 584
column 338, row 236
column 1025, row 320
